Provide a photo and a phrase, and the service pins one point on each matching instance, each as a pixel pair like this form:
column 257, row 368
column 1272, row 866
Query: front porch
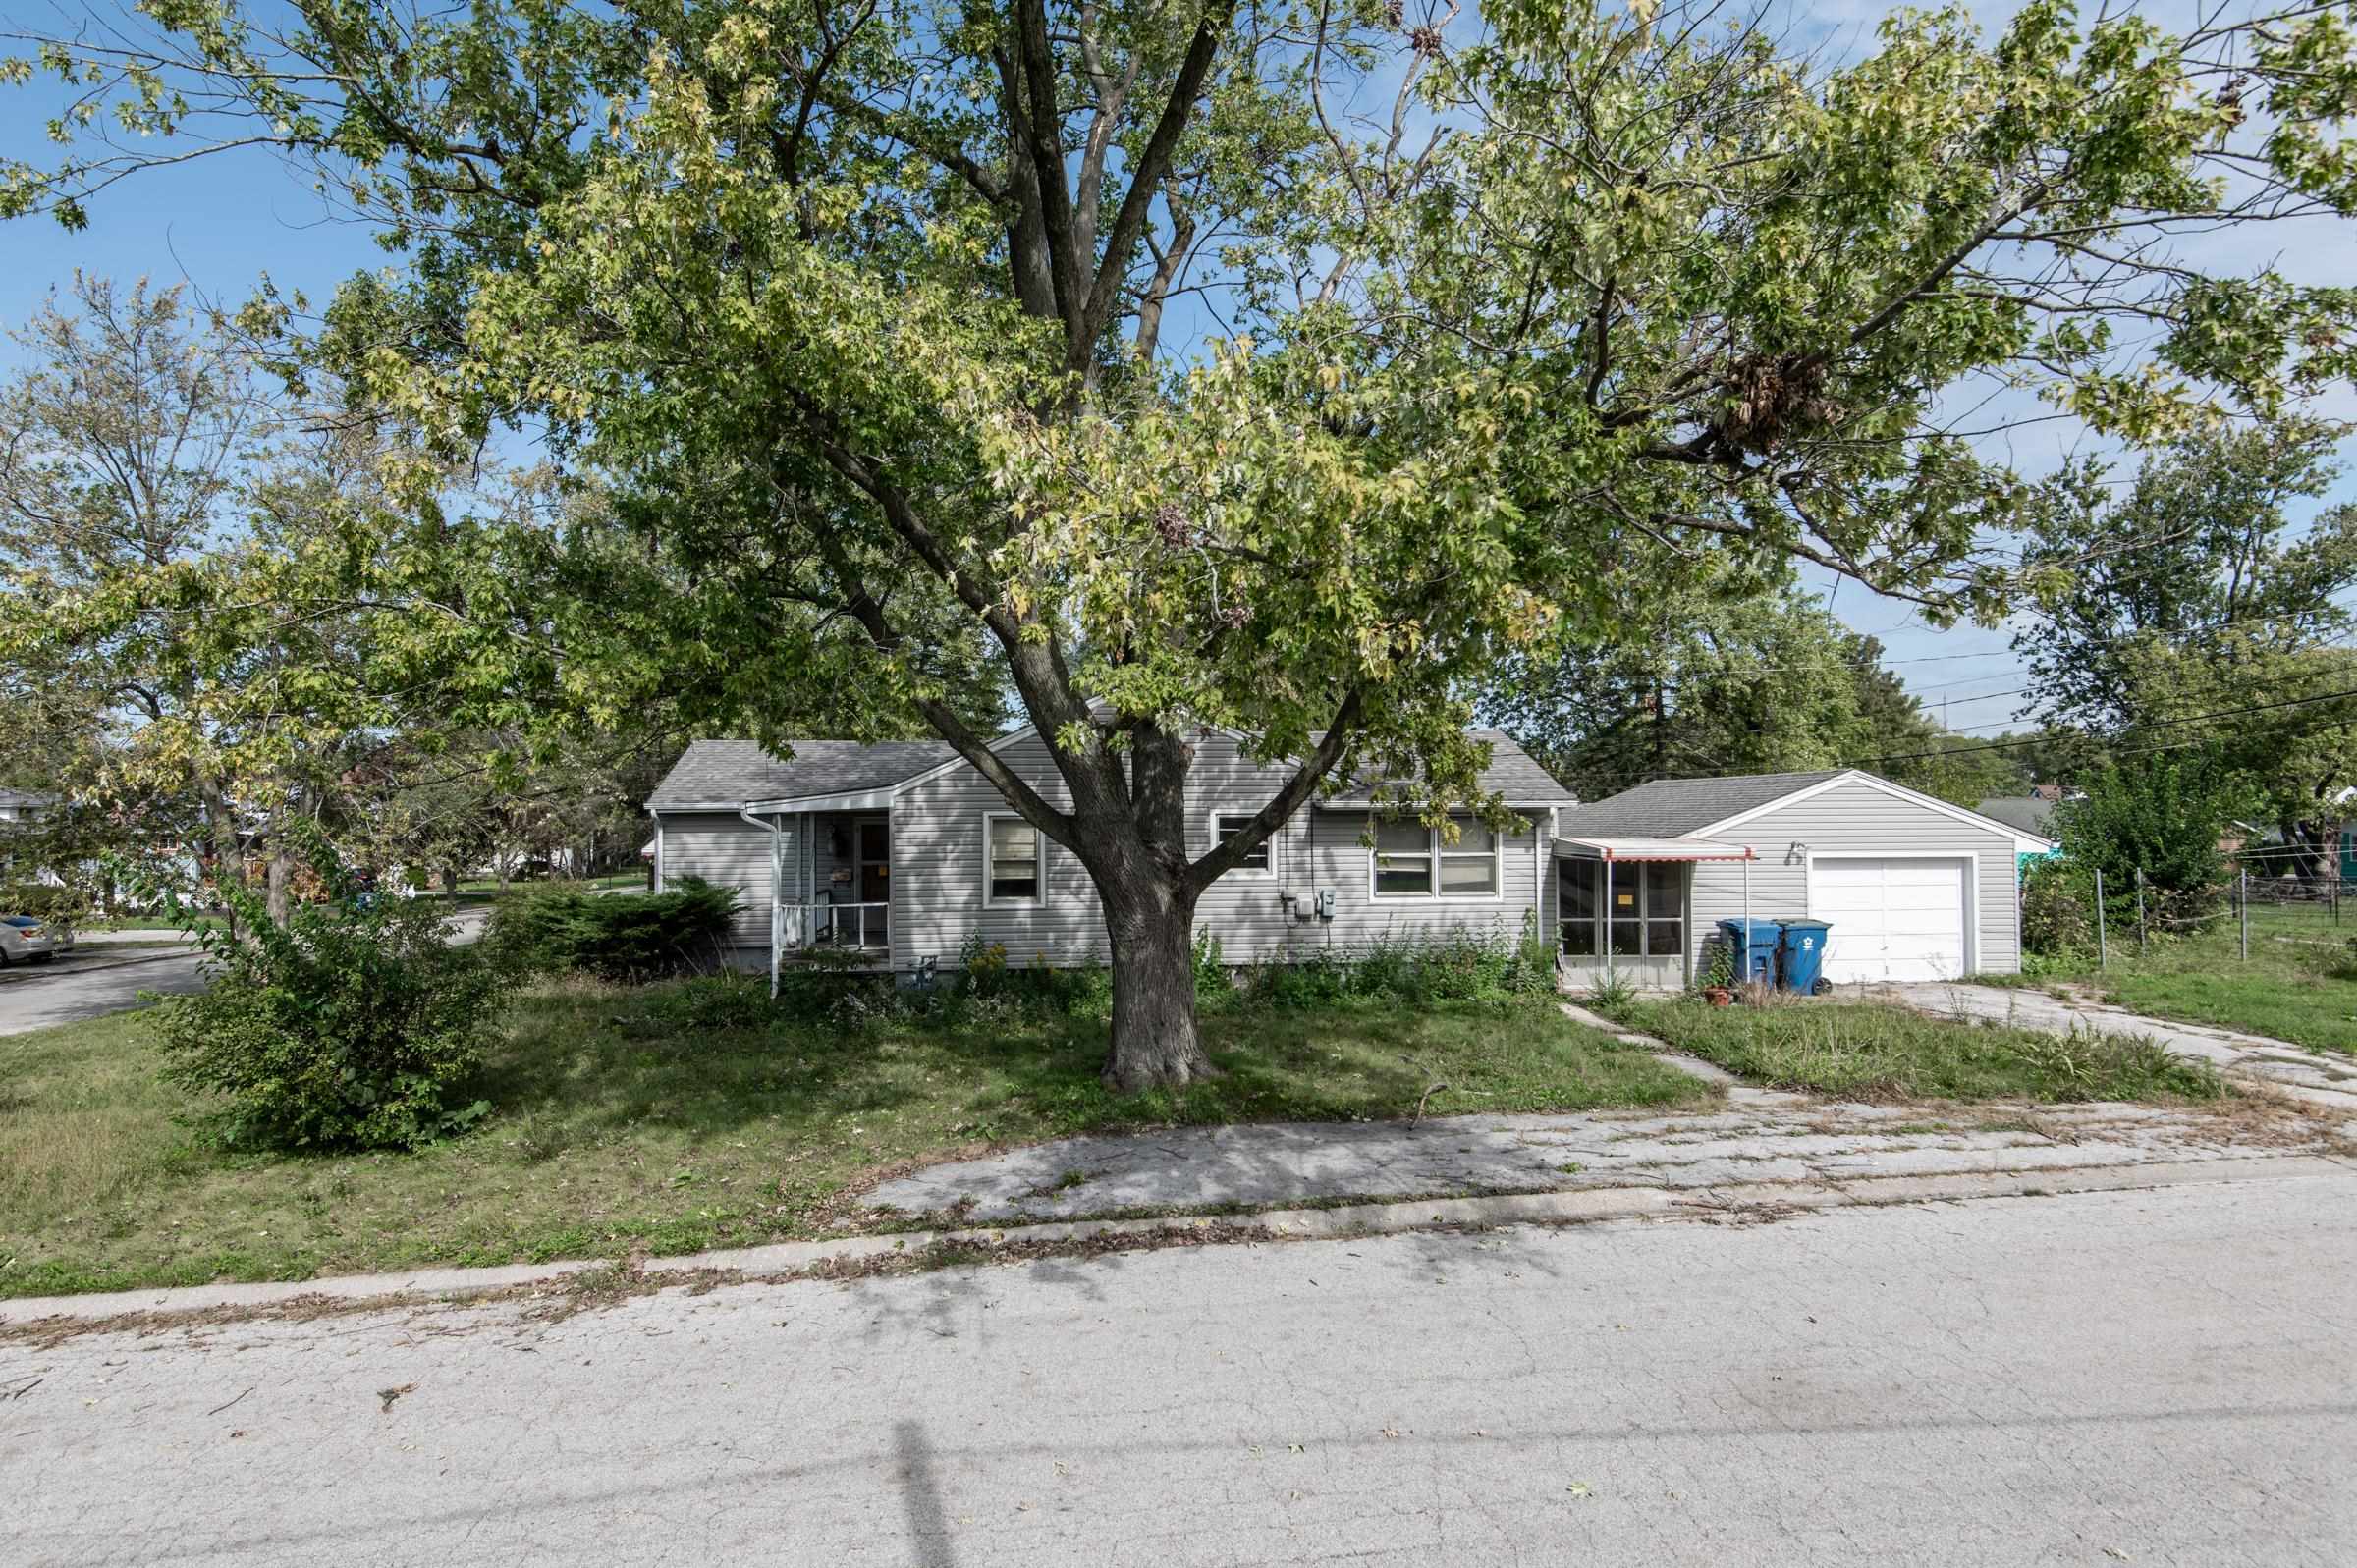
column 831, row 876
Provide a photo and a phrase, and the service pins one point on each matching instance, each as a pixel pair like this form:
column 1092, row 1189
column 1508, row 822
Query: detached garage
column 1914, row 888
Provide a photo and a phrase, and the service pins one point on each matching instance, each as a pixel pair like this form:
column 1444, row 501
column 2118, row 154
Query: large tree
column 2200, row 557
column 125, row 437
column 1256, row 363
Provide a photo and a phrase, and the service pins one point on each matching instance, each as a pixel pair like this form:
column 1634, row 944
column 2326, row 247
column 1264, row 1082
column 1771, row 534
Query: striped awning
column 1649, row 849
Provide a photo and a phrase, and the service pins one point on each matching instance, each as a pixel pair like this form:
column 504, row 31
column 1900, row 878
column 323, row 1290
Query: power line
column 2155, row 723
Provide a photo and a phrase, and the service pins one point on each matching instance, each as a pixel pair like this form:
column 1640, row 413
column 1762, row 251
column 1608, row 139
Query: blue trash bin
column 1801, row 956
column 1753, row 944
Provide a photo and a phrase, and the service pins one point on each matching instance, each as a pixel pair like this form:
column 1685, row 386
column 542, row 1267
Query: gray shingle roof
column 731, row 773
column 1670, row 808
column 1512, row 774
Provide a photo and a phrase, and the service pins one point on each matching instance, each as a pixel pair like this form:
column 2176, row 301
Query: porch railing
column 837, row 925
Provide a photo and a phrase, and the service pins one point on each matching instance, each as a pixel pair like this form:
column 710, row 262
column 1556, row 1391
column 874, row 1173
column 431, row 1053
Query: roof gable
column 1701, row 808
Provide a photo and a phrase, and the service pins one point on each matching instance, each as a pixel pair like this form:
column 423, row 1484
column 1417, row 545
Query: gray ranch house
column 899, row 853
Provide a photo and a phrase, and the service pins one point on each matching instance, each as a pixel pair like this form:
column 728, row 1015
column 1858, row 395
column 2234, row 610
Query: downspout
column 658, row 816
column 777, row 905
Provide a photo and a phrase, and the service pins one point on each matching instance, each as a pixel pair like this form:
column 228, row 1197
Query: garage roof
column 1680, row 808
column 1670, row 808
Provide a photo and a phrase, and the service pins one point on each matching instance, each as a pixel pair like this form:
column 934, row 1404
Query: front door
column 875, row 879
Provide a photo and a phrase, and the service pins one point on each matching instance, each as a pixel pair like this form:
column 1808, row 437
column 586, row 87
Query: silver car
column 28, row 938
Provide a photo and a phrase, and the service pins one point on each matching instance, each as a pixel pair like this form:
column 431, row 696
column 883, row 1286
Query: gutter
column 777, row 909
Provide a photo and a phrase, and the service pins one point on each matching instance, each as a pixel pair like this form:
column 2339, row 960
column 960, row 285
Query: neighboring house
column 1914, row 888
column 903, row 852
column 2031, row 814
column 18, row 808
column 25, row 805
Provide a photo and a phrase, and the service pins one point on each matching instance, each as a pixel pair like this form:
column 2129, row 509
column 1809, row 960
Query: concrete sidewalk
column 1761, row 1136
column 2321, row 1078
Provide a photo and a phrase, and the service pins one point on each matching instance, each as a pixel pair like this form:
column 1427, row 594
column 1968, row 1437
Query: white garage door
column 1893, row 918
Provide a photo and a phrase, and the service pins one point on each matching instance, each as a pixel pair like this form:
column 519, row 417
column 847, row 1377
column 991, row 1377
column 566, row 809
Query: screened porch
column 1622, row 909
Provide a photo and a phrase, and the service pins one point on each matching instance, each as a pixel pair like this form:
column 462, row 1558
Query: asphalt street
column 36, row 997
column 2148, row 1377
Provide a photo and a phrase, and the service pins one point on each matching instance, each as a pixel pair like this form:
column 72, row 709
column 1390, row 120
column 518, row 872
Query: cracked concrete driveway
column 2320, row 1077
column 2152, row 1377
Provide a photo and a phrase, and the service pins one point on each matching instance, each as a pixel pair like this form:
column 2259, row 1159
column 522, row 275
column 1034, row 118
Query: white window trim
column 1267, row 873
column 1431, row 839
column 991, row 900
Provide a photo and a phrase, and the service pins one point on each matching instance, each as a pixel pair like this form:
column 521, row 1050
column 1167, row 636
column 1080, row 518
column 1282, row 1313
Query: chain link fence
column 2273, row 904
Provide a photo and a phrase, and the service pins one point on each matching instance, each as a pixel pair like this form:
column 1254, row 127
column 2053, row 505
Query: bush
column 2057, row 910
column 626, row 937
column 1462, row 964
column 2159, row 815
column 352, row 1025
column 45, row 900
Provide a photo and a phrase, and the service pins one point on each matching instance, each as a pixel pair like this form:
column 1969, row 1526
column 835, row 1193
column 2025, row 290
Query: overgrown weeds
column 1874, row 1051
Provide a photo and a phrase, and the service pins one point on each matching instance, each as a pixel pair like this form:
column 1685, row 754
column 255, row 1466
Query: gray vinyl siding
column 725, row 850
column 1855, row 817
column 938, row 886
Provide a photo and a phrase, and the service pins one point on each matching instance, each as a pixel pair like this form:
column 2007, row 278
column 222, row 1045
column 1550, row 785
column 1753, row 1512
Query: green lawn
column 683, row 1116
column 1880, row 1051
column 2299, row 983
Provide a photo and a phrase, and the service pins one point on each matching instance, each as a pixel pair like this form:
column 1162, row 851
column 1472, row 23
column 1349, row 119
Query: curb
column 51, row 970
column 1739, row 1203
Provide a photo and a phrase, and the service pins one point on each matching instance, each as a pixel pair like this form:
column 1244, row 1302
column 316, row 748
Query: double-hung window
column 1228, row 826
column 1010, row 860
column 1414, row 861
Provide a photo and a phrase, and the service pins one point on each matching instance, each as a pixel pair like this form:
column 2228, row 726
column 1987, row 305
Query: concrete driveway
column 2142, row 1378
column 2320, row 1077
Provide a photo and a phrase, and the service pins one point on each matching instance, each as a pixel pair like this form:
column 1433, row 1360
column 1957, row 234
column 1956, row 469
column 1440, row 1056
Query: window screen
column 1577, row 886
column 1013, row 858
column 1665, row 901
column 1469, row 866
column 1402, row 858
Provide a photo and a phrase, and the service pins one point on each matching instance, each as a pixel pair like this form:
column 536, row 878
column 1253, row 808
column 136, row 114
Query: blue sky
column 221, row 224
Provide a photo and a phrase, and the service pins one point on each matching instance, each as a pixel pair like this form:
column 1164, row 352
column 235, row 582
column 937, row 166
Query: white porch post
column 1743, row 961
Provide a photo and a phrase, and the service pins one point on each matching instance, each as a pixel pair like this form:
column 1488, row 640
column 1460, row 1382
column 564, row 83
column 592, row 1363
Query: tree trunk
column 1154, row 1043
column 281, row 870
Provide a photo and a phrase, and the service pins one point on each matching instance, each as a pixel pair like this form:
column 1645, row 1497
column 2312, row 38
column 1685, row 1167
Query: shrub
column 1462, row 964
column 2156, row 815
column 626, row 937
column 2057, row 910
column 352, row 1025
column 45, row 900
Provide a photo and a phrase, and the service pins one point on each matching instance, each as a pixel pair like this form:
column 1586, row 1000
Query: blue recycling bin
column 1753, row 944
column 1801, row 956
